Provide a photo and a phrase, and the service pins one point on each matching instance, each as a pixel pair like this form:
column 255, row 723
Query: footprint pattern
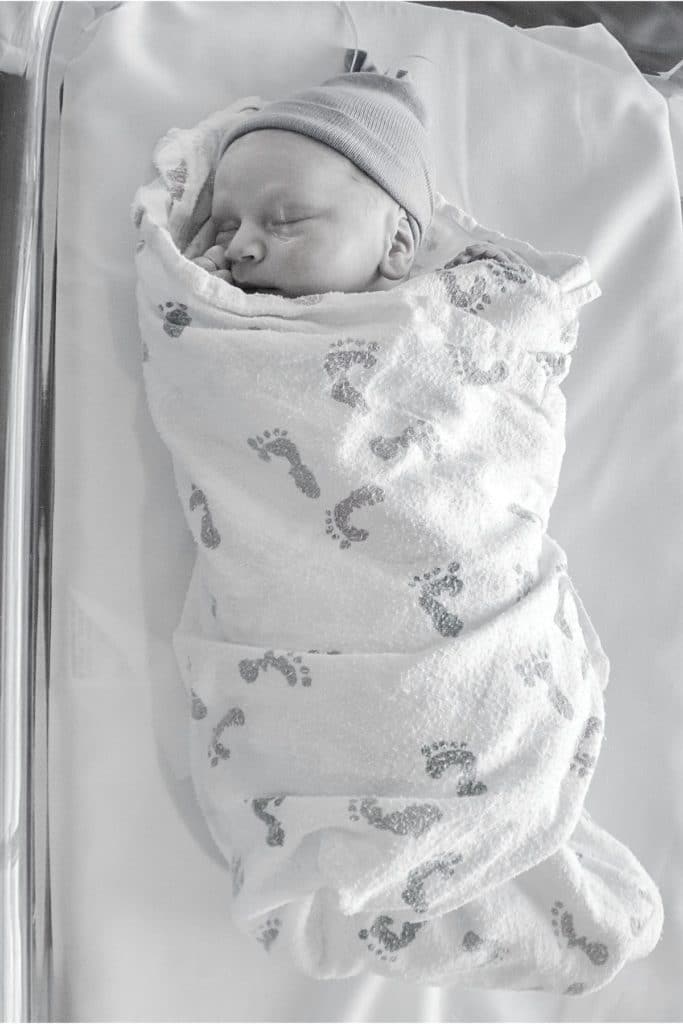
column 217, row 750
column 176, row 318
column 414, row 821
column 538, row 666
column 473, row 943
column 176, row 180
column 387, row 942
column 638, row 923
column 525, row 513
column 468, row 371
column 344, row 354
column 268, row 932
column 138, row 215
column 414, row 892
column 504, row 270
column 278, row 443
column 587, row 749
column 563, row 588
column 576, row 988
column 383, row 937
column 337, row 522
column 199, row 709
column 554, row 363
column 276, row 833
column 210, row 536
column 443, row 755
column 563, row 926
column 473, row 299
column 525, row 582
column 145, row 352
column 251, row 667
column 431, row 585
column 420, row 433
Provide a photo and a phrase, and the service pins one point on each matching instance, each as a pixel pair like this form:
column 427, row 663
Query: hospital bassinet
column 550, row 133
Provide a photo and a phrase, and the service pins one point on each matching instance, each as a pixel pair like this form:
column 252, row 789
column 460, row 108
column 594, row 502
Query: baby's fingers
column 472, row 252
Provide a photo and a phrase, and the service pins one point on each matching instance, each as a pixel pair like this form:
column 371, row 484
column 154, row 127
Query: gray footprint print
column 563, row 926
column 537, row 665
column 276, row 833
column 638, row 923
column 210, row 536
column 563, row 589
column 176, row 180
column 525, row 513
column 176, row 318
column 576, row 988
column 525, row 582
column 473, row 943
column 251, row 667
column 420, row 433
column 431, row 585
column 217, row 750
column 554, row 363
column 414, row 820
column 278, row 443
column 199, row 709
column 473, row 299
column 387, row 942
column 268, row 932
column 344, row 354
column 467, row 370
column 338, row 519
column 583, row 761
column 414, row 892
column 443, row 754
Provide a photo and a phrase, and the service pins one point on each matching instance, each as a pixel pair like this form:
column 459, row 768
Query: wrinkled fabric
column 395, row 692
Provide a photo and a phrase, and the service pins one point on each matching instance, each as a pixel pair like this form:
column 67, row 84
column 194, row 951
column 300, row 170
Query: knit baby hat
column 378, row 122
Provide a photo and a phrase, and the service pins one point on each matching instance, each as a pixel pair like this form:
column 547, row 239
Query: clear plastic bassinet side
column 29, row 176
column 36, row 42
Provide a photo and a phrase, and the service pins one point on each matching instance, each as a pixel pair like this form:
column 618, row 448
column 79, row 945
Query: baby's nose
column 245, row 245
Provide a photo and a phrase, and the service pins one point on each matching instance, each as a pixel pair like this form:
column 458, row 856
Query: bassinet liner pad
column 394, row 691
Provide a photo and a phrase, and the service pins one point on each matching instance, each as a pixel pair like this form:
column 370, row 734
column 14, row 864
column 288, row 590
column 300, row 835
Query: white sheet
column 550, row 135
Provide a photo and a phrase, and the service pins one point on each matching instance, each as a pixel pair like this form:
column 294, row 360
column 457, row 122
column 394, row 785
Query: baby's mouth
column 251, row 288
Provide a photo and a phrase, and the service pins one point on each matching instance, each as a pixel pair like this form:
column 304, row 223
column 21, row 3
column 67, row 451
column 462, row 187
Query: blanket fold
column 395, row 692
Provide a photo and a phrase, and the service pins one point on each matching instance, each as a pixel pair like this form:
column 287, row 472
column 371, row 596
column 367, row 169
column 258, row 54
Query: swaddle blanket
column 395, row 693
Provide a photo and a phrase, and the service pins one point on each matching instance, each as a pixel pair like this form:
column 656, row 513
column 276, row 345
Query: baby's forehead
column 289, row 155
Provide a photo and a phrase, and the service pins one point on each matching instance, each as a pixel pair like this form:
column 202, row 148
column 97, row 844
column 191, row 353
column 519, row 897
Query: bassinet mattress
column 588, row 168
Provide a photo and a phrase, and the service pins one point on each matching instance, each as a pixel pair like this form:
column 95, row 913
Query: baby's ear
column 400, row 250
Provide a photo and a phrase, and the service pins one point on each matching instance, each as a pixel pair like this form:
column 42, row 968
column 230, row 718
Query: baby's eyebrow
column 276, row 192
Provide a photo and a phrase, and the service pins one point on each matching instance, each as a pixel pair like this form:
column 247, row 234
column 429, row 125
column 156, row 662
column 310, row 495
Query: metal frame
column 26, row 414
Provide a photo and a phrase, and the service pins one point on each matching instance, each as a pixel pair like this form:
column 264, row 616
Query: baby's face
column 297, row 218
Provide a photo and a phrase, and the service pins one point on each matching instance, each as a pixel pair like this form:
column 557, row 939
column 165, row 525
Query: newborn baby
column 394, row 693
column 327, row 191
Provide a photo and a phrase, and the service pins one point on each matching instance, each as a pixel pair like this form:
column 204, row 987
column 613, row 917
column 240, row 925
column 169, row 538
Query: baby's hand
column 205, row 254
column 215, row 263
column 486, row 251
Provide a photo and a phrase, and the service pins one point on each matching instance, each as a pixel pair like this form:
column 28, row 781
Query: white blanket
column 395, row 691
